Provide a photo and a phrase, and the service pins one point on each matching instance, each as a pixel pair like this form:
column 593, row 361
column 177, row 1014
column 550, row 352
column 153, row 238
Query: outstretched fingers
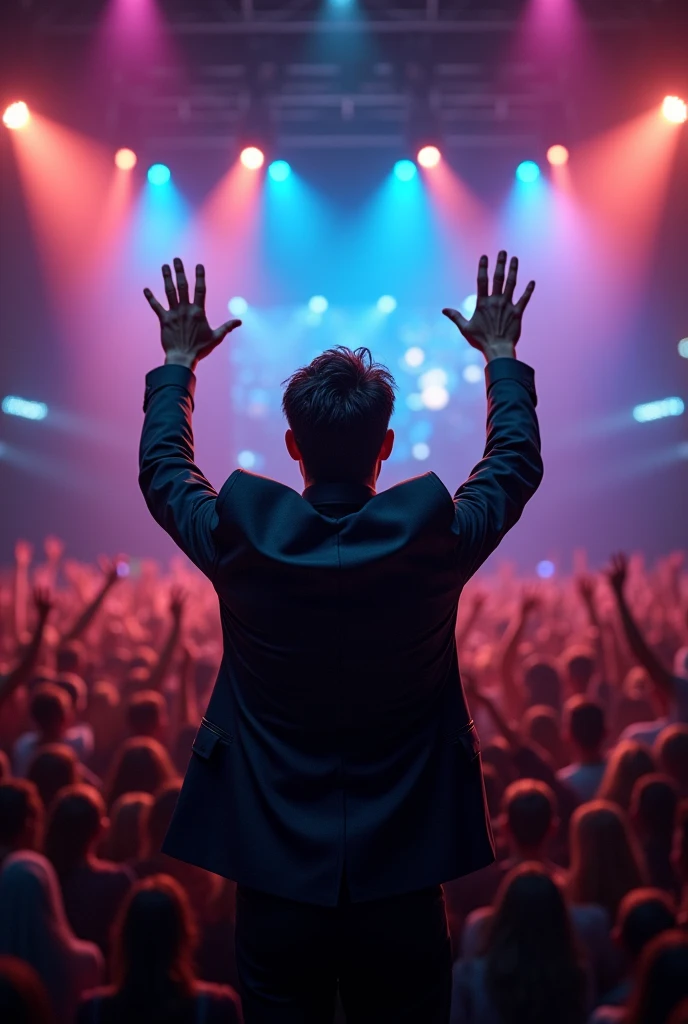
column 511, row 279
column 482, row 278
column 455, row 317
column 170, row 290
column 199, row 291
column 525, row 298
column 154, row 304
column 500, row 269
column 182, row 283
column 225, row 329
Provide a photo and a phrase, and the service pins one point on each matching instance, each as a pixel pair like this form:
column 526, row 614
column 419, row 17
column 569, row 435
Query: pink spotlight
column 252, row 158
column 675, row 110
column 429, row 156
column 16, row 115
column 125, row 159
column 558, row 155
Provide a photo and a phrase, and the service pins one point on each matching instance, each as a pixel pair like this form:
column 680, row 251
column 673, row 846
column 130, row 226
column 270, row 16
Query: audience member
column 125, row 839
column 92, row 889
column 53, row 766
column 153, row 973
column 147, row 715
column 671, row 753
column 628, row 763
column 141, row 765
column 662, row 980
column 21, row 817
column 586, row 734
column 34, row 927
column 51, row 711
column 653, row 815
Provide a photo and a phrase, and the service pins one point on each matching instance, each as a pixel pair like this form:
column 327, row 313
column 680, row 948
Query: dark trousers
column 391, row 959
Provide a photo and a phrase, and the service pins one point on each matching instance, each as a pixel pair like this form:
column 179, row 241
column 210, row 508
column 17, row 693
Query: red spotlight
column 252, row 158
column 675, row 110
column 125, row 159
column 429, row 156
column 558, row 155
column 16, row 115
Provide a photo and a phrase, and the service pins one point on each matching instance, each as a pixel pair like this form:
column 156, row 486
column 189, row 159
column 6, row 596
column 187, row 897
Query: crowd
column 579, row 687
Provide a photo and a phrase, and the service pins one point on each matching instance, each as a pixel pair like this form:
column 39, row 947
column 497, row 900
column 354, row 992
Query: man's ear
column 292, row 446
column 387, row 445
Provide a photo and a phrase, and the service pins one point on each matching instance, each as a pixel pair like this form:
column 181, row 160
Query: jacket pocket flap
column 205, row 742
column 470, row 742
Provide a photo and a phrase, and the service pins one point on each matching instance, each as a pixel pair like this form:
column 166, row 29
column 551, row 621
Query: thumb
column 225, row 329
column 456, row 318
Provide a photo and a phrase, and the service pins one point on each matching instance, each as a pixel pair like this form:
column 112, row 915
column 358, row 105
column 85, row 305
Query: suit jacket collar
column 348, row 496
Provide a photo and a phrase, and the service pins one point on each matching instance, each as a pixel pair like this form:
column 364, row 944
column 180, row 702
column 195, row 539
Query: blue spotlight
column 279, row 170
column 14, row 406
column 528, row 171
column 658, row 410
column 545, row 569
column 386, row 304
column 159, row 174
column 318, row 304
column 405, row 170
column 237, row 305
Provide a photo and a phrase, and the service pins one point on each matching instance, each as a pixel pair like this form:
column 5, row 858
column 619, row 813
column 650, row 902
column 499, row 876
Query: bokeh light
column 545, row 569
column 528, row 171
column 16, row 115
column 386, row 304
column 558, row 156
column 649, row 411
column 12, row 405
column 125, row 159
column 435, row 397
column 405, row 170
column 159, row 174
column 246, row 459
column 472, row 374
column 414, row 356
column 683, row 348
column 468, row 306
column 675, row 110
column 279, row 170
column 318, row 304
column 429, row 156
column 237, row 305
column 421, row 450
column 433, row 378
column 252, row 158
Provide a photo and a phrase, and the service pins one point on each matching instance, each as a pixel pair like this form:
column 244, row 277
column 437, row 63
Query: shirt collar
column 349, row 494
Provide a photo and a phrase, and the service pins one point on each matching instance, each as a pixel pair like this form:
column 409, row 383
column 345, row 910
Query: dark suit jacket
column 337, row 736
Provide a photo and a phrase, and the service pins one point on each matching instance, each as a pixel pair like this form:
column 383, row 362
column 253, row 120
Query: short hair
column 529, row 808
column 19, row 799
column 53, row 766
column 654, row 803
column 585, row 720
column 644, row 914
column 671, row 751
column 338, row 408
column 145, row 711
column 579, row 663
column 74, row 822
column 541, row 726
column 50, row 705
column 75, row 688
column 542, row 681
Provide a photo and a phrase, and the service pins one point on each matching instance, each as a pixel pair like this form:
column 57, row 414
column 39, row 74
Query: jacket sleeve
column 491, row 501
column 177, row 494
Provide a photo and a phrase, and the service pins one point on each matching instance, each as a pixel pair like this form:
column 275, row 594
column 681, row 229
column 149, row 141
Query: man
column 586, row 732
column 336, row 776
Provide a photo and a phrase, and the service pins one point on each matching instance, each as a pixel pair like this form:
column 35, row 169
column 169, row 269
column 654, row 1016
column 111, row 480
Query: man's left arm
column 177, row 494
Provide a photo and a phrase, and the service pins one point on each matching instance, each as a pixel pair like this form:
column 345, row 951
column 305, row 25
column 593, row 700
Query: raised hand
column 23, row 552
column 178, row 596
column 43, row 601
column 617, row 572
column 495, row 327
column 185, row 332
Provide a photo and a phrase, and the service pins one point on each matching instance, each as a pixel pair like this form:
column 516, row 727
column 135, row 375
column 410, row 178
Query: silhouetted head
column 585, row 725
column 141, row 765
column 75, row 688
column 541, row 726
column 21, row 816
column 643, row 915
column 662, row 979
column 147, row 714
column 653, row 806
column 628, row 762
column 159, row 816
column 338, row 410
column 579, row 666
column 54, row 766
column 50, row 709
column 71, row 657
column 605, row 860
column 542, row 682
column 671, row 751
column 127, row 825
column 76, row 821
column 529, row 816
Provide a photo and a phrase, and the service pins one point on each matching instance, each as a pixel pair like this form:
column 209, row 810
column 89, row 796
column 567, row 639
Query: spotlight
column 683, row 348
column 252, row 158
column 545, row 569
column 421, row 450
column 528, row 171
column 472, row 374
column 279, row 170
column 16, row 115
column 386, row 304
column 429, row 156
column 675, row 110
column 318, row 304
column 414, row 356
column 125, row 159
column 237, row 305
column 405, row 170
column 658, row 410
column 14, row 406
column 558, row 155
column 159, row 174
column 246, row 459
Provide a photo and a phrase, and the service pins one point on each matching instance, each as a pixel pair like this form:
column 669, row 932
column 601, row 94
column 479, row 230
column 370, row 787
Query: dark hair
column 644, row 914
column 74, row 687
column 628, row 762
column 662, row 979
column 23, row 996
column 74, row 822
column 153, row 942
column 159, row 815
column 140, row 765
column 543, row 682
column 53, row 766
column 671, row 751
column 49, row 706
column 541, row 726
column 654, row 804
column 70, row 656
column 19, row 799
column 580, row 665
column 529, row 807
column 605, row 860
column 127, row 820
column 533, row 968
column 145, row 712
column 585, row 719
column 338, row 408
